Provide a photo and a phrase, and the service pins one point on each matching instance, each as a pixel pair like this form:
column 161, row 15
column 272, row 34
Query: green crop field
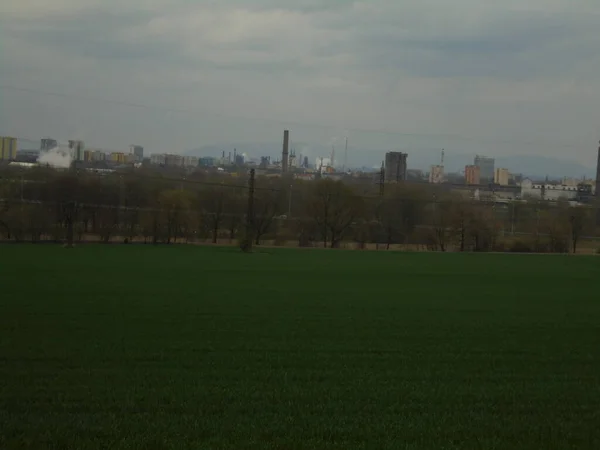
column 140, row 347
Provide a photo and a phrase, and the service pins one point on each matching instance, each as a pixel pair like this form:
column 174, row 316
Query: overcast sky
column 486, row 76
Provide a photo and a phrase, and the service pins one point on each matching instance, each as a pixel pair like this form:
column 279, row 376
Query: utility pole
column 120, row 205
column 381, row 192
column 22, row 200
column 247, row 244
column 290, row 202
column 512, row 218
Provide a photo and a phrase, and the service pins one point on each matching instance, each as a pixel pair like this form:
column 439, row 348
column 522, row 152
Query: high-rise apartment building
column 191, row 161
column 158, row 158
column 501, row 177
column 486, row 167
column 98, row 155
column 172, row 160
column 472, row 175
column 395, row 167
column 137, row 151
column 77, row 148
column 117, row 157
column 48, row 144
column 8, row 148
column 436, row 174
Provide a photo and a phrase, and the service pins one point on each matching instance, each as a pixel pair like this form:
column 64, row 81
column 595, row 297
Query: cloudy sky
column 486, row 76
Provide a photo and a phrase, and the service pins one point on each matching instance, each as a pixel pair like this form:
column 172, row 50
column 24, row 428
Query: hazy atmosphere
column 496, row 78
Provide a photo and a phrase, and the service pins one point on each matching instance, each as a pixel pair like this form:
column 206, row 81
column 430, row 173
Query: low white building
column 551, row 192
column 24, row 165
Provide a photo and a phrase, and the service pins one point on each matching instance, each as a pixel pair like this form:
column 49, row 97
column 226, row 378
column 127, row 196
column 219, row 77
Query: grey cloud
column 92, row 34
column 510, row 47
column 382, row 64
column 100, row 36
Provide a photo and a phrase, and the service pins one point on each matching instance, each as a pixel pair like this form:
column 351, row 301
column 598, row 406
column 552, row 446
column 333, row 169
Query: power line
column 383, row 131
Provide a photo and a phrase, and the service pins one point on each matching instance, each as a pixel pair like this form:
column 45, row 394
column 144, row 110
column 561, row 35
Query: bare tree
column 398, row 214
column 579, row 223
column 175, row 208
column 67, row 193
column 267, row 206
column 214, row 203
column 461, row 221
column 334, row 207
column 440, row 223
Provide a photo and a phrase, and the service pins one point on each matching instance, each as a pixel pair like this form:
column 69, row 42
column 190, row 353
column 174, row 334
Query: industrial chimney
column 285, row 153
column 598, row 175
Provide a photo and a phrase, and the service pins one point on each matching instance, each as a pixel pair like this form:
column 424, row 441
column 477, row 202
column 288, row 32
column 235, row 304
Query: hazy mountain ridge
column 528, row 165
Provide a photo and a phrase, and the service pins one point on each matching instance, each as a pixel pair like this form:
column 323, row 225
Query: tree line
column 40, row 204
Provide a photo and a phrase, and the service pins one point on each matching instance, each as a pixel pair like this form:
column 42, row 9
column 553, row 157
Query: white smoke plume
column 58, row 157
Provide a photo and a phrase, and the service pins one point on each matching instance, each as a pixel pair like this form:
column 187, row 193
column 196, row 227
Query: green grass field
column 115, row 347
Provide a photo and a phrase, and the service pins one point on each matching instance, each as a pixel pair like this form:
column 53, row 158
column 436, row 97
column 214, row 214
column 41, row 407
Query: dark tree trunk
column 69, row 232
column 155, row 232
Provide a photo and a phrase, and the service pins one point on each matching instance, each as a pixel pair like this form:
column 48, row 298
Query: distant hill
column 528, row 165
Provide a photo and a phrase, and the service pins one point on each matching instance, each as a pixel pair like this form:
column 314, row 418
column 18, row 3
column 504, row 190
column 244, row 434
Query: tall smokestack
column 285, row 153
column 598, row 175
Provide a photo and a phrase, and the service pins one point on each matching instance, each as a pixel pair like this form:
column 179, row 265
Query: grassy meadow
column 183, row 347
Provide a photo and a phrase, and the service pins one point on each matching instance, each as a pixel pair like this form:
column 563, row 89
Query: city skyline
column 471, row 77
column 536, row 166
